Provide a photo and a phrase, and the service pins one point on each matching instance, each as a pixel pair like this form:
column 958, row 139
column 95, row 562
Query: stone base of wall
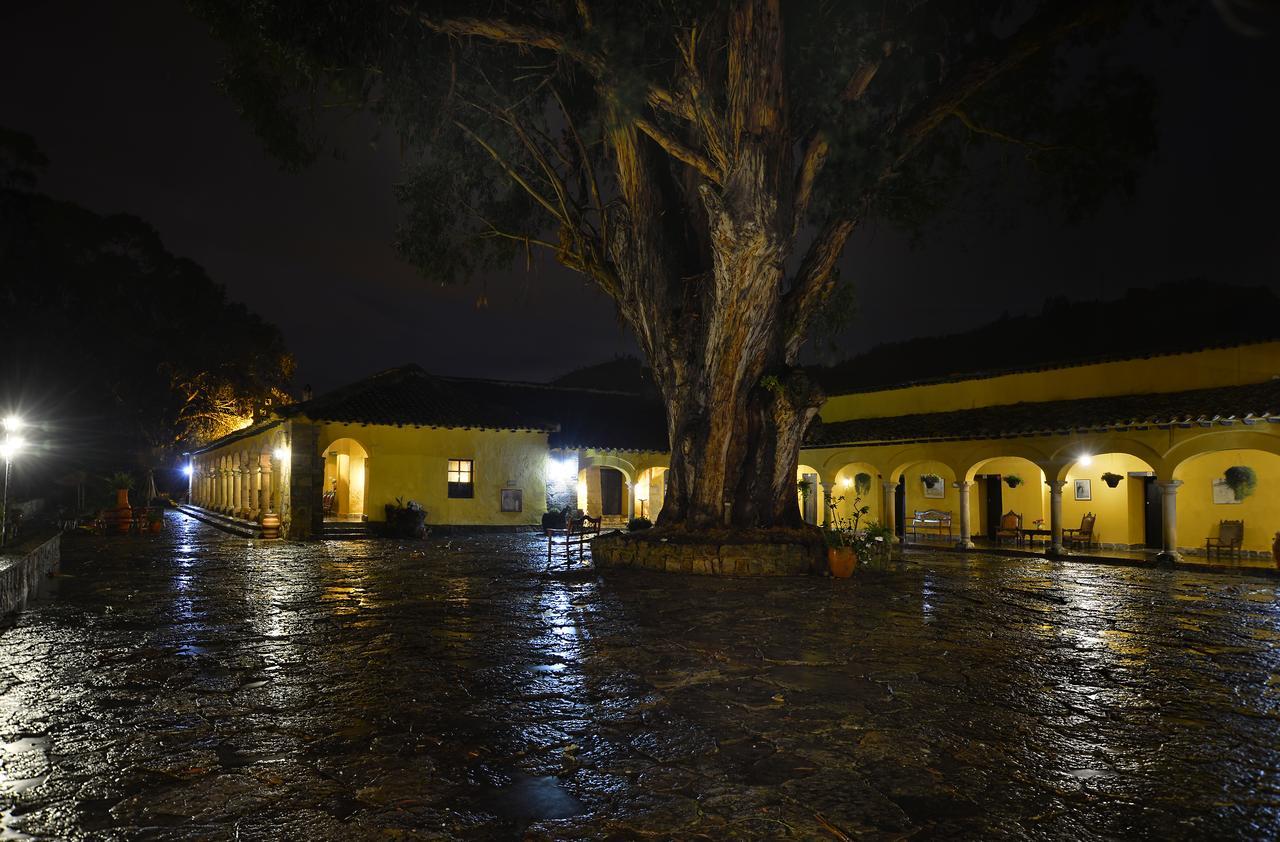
column 21, row 574
column 711, row 558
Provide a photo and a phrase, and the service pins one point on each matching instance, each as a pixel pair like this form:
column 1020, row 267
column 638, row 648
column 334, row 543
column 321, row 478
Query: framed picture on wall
column 511, row 500
column 934, row 486
column 1224, row 493
column 1083, row 491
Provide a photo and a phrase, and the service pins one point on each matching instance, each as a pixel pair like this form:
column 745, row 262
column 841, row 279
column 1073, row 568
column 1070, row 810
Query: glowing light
column 281, row 453
column 187, row 470
column 13, row 424
column 1086, row 460
column 846, row 483
column 11, row 447
column 562, row 470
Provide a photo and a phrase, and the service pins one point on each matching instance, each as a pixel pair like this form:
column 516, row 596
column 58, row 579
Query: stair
column 234, row 525
column 345, row 530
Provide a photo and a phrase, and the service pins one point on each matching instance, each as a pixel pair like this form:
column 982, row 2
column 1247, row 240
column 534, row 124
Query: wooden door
column 610, row 492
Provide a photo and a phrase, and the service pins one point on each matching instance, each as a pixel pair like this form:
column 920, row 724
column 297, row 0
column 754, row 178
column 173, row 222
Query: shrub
column 406, row 520
column 554, row 519
column 931, row 480
column 638, row 523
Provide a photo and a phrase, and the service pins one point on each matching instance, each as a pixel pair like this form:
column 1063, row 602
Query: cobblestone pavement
column 197, row 686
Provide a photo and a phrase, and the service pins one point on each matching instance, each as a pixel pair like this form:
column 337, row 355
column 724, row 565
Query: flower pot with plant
column 1013, row 480
column 1242, row 480
column 155, row 519
column 1111, row 479
column 931, row 481
column 120, row 518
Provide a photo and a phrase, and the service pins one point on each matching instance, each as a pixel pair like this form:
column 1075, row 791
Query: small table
column 1028, row 536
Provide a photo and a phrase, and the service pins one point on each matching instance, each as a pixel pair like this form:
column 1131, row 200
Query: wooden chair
column 1230, row 538
column 1083, row 536
column 577, row 532
column 328, row 502
column 1010, row 527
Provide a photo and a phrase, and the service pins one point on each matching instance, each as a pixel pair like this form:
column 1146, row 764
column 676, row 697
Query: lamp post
column 9, row 448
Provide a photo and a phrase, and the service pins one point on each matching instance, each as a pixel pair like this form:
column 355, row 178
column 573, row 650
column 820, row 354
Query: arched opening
column 1208, row 496
column 345, row 480
column 604, row 492
column 857, row 484
column 1006, row 485
column 923, row 487
column 809, row 494
column 650, row 492
column 1120, row 491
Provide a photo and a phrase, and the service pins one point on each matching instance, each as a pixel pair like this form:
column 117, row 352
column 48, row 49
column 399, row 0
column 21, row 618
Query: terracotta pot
column 271, row 525
column 841, row 561
column 155, row 525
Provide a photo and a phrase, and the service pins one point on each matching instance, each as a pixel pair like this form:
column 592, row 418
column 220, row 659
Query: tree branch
column 678, row 150
column 813, row 283
column 1001, row 136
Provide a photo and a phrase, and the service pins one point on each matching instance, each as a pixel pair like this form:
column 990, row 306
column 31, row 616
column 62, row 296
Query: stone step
column 345, row 531
column 234, row 525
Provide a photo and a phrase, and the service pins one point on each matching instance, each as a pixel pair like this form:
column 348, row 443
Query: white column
column 255, row 486
column 246, row 485
column 1169, row 501
column 826, row 502
column 1055, row 513
column 966, row 538
column 890, row 507
column 268, row 490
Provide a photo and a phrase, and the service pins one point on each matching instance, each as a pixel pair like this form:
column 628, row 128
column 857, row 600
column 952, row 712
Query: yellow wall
column 1199, row 516
column 1119, row 509
column 872, row 498
column 652, row 485
column 916, row 501
column 412, row 462
column 1173, row 373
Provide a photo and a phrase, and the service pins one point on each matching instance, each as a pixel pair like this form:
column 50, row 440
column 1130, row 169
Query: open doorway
column 345, row 480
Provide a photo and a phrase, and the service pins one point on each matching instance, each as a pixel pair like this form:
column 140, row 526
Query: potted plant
column 1013, row 480
column 406, row 520
column 122, row 515
column 638, row 523
column 1241, row 479
column 155, row 518
column 1111, row 479
column 805, row 488
column 846, row 544
column 931, row 481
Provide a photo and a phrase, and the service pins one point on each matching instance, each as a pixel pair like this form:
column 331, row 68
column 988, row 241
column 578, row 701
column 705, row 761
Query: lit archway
column 650, row 492
column 1007, row 485
column 1212, row 492
column 1119, row 489
column 858, row 483
column 809, row 493
column 345, row 479
column 604, row 491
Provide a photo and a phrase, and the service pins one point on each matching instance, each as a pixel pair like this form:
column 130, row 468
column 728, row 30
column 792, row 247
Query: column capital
column 1056, row 485
column 962, row 484
column 1170, row 486
column 888, row 484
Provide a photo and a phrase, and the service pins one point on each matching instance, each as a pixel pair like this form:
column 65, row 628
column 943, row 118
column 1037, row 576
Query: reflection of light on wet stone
column 529, row 798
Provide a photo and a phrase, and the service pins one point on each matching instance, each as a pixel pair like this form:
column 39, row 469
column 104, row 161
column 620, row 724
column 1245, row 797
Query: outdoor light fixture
column 1086, row 460
column 846, row 483
column 561, row 470
column 9, row 448
column 187, row 470
column 281, row 453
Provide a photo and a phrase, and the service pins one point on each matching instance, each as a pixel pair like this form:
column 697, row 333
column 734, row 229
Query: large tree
column 703, row 163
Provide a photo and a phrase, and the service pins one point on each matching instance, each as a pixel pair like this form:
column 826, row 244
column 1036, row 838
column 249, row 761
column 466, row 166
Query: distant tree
column 100, row 321
column 704, row 163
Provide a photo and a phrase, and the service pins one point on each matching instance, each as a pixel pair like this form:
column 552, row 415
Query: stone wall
column 20, row 574
column 710, row 559
column 306, row 482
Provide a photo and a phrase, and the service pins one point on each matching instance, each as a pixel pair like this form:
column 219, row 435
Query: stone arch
column 844, row 484
column 591, row 480
column 346, row 479
column 1065, row 457
column 1216, row 440
column 979, row 455
column 1204, row 500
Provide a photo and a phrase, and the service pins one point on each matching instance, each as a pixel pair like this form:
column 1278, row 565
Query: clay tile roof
column 574, row 417
column 1228, row 404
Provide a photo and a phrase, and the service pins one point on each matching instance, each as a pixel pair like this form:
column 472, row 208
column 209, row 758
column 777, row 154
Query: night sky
column 121, row 97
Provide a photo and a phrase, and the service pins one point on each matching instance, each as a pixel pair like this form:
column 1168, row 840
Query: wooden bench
column 930, row 521
column 576, row 533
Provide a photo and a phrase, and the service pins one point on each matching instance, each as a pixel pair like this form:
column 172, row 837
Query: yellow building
column 1143, row 445
column 473, row 453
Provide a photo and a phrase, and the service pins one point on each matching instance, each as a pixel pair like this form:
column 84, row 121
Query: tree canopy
column 703, row 163
column 123, row 345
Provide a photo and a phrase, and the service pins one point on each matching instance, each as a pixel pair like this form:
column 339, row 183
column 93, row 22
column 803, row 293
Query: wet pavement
column 198, row 686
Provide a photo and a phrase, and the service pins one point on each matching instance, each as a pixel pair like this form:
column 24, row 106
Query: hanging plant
column 931, row 480
column 862, row 484
column 1241, row 479
column 804, row 488
column 1013, row 480
column 1111, row 479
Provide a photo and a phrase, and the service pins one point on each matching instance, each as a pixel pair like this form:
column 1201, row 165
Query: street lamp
column 9, row 448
